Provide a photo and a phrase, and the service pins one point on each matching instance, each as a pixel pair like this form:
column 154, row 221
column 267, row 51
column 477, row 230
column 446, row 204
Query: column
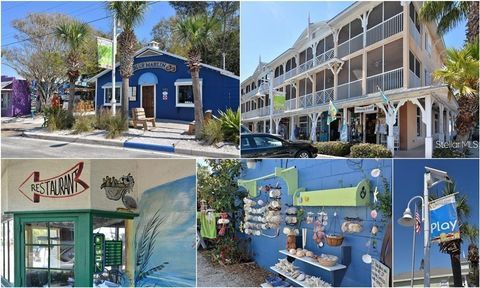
column 427, row 119
column 130, row 262
column 364, row 54
column 449, row 126
column 313, row 132
column 406, row 41
column 292, row 128
column 441, row 130
column 277, row 125
column 265, row 127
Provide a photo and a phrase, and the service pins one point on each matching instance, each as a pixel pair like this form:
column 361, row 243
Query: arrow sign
column 67, row 184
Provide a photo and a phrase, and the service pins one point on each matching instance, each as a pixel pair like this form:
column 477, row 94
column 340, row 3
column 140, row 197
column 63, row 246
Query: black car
column 263, row 145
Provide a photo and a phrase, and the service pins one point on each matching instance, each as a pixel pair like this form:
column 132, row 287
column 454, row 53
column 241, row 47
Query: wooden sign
column 380, row 274
column 155, row 65
column 67, row 184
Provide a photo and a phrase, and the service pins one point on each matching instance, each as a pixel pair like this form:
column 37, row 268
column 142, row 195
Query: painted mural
column 165, row 235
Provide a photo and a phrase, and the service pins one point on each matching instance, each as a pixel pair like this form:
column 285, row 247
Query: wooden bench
column 139, row 117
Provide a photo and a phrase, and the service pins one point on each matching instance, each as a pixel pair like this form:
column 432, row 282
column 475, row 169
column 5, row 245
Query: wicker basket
column 334, row 240
column 327, row 262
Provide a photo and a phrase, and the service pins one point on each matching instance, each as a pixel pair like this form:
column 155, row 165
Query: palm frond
column 128, row 13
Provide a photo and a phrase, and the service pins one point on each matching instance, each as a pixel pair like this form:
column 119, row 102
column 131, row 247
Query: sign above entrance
column 67, row 184
column 365, row 109
column 155, row 65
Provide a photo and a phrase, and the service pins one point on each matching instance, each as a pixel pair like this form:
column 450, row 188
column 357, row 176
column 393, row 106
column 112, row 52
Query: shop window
column 49, row 254
column 7, row 267
column 184, row 93
column 6, row 99
column 107, row 95
column 393, row 55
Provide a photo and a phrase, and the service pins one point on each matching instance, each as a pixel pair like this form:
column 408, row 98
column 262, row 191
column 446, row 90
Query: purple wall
column 20, row 101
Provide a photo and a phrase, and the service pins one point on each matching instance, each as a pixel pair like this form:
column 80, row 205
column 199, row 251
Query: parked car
column 263, row 145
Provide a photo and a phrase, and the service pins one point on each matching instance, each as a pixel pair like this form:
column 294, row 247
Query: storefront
column 86, row 223
column 161, row 83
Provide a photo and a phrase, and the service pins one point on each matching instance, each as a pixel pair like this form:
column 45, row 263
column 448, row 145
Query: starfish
column 375, row 195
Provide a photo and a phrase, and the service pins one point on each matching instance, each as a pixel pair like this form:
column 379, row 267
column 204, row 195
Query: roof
column 160, row 52
column 6, row 83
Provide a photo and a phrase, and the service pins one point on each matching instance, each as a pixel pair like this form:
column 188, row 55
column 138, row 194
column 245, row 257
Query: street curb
column 144, row 146
column 71, row 139
column 205, row 154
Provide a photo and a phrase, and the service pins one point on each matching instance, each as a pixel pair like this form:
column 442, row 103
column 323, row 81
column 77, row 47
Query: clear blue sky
column 82, row 10
column 408, row 182
column 270, row 28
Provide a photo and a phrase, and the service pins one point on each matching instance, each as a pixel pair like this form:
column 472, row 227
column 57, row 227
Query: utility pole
column 113, row 101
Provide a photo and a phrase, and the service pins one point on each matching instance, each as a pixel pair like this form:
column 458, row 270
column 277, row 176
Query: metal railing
column 387, row 28
column 386, row 81
column 349, row 90
column 414, row 80
column 316, row 61
column 415, row 34
column 291, row 104
column 249, row 94
column 350, row 46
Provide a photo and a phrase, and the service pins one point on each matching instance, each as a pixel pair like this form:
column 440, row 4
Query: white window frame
column 186, row 83
column 105, row 103
column 8, row 95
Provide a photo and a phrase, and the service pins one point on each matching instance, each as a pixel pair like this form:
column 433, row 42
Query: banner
column 104, row 51
column 444, row 224
column 278, row 100
column 332, row 112
column 365, row 109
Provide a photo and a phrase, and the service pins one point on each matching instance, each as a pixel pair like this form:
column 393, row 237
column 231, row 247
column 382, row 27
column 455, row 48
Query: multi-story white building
column 369, row 45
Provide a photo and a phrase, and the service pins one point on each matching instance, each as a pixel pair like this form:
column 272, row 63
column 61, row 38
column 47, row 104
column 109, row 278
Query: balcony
column 415, row 81
column 385, row 29
column 415, row 34
column 249, row 94
column 349, row 90
column 291, row 104
column 386, row 81
column 350, row 46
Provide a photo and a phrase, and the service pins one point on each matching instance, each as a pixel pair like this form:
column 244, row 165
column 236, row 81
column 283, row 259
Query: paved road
column 21, row 147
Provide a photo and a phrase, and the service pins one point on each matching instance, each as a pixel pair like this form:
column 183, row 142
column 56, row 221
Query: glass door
column 49, row 254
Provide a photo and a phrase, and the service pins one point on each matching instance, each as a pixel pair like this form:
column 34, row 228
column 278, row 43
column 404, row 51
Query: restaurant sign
column 67, row 184
column 365, row 109
column 155, row 65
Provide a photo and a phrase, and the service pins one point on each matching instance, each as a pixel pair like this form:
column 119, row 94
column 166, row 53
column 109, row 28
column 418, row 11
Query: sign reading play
column 67, row 184
column 444, row 224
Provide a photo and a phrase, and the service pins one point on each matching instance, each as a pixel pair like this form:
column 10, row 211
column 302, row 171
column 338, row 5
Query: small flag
column 332, row 111
column 384, row 97
column 417, row 222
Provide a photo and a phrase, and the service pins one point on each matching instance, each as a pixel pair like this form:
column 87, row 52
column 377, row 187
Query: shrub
column 212, row 131
column 367, row 150
column 230, row 121
column 447, row 153
column 57, row 119
column 334, row 148
column 116, row 125
column 102, row 119
column 84, row 123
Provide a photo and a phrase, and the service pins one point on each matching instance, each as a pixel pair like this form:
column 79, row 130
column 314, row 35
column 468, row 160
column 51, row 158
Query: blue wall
column 315, row 175
column 219, row 91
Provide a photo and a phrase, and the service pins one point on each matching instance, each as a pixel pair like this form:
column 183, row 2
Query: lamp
column 407, row 218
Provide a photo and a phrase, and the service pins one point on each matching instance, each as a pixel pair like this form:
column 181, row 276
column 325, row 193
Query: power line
column 51, row 33
column 48, row 34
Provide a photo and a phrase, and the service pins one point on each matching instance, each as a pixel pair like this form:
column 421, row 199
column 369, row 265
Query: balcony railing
column 415, row 34
column 349, row 90
column 385, row 29
column 414, row 80
column 350, row 46
column 386, row 81
column 291, row 104
column 250, row 94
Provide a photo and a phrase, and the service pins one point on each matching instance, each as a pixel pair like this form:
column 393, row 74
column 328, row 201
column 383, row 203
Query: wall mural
column 165, row 235
column 116, row 189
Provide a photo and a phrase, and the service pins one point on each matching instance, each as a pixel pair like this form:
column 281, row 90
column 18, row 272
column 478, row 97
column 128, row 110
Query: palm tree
column 460, row 73
column 195, row 32
column 472, row 233
column 453, row 247
column 129, row 14
column 74, row 34
column 449, row 13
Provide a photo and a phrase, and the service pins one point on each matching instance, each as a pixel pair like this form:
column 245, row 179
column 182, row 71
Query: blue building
column 162, row 85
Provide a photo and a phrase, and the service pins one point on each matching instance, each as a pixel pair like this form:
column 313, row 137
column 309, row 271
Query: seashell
column 374, row 230
column 300, row 254
column 286, row 230
column 292, row 251
column 373, row 214
column 301, row 277
column 309, row 254
column 260, row 202
column 345, row 227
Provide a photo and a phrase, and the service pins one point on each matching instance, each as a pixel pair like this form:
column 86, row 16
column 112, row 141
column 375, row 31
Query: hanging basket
column 334, row 240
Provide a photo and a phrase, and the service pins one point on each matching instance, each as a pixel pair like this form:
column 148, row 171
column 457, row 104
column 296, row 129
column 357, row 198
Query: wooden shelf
column 314, row 262
column 300, row 283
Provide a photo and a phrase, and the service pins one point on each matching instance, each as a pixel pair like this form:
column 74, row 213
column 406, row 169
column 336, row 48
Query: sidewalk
column 165, row 137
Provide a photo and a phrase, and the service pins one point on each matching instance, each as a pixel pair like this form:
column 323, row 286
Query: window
column 320, row 79
column 391, row 8
column 414, row 65
column 356, row 68
column 375, row 16
column 375, row 62
column 107, row 93
column 393, row 55
column 428, row 44
column 245, row 143
column 184, row 93
column 7, row 267
column 436, row 123
column 266, row 142
column 329, row 78
column 49, row 254
column 6, row 99
column 329, row 42
column 414, row 17
column 343, row 74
